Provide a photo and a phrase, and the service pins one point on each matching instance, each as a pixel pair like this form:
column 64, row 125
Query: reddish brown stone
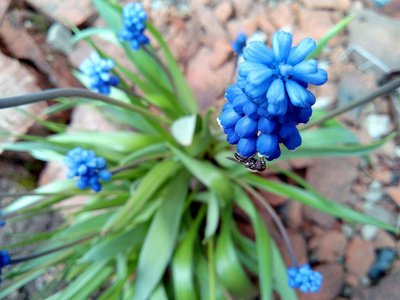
column 221, row 52
column 223, row 11
column 388, row 288
column 384, row 240
column 281, row 16
column 321, row 218
column 359, row 257
column 332, row 283
column 317, row 23
column 68, row 12
column 394, row 193
column 330, row 246
column 293, row 214
column 299, row 247
column 342, row 5
column 242, row 7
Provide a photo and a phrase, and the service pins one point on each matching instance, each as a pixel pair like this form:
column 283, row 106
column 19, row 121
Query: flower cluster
column 239, row 44
column 134, row 18
column 270, row 97
column 98, row 70
column 305, row 279
column 89, row 168
column 5, row 260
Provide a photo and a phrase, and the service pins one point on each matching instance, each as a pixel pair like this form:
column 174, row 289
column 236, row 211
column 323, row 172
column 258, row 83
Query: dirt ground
column 36, row 54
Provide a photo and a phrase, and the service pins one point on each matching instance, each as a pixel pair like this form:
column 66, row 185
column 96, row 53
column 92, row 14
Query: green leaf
column 143, row 152
column 112, row 16
column 336, row 151
column 183, row 129
column 315, row 201
column 182, row 263
column 186, row 97
column 228, row 266
column 212, row 216
column 120, row 141
column 149, row 185
column 331, row 33
column 159, row 243
column 115, row 244
column 22, row 281
column 207, row 173
column 105, row 33
column 327, row 136
column 263, row 243
column 159, row 293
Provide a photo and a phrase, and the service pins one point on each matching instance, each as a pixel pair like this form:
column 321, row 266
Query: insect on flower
column 251, row 163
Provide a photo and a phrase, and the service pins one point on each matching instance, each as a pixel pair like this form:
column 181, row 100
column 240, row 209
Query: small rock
column 388, row 288
column 332, row 283
column 347, row 230
column 299, row 247
column 293, row 214
column 324, row 220
column 58, row 37
column 394, row 193
column 384, row 240
column 359, row 257
column 331, row 246
column 368, row 232
column 352, row 86
column 242, row 7
column 221, row 52
column 342, row 5
column 316, row 23
column 223, row 11
column 69, row 12
column 375, row 192
column 374, row 33
column 377, row 125
column 281, row 16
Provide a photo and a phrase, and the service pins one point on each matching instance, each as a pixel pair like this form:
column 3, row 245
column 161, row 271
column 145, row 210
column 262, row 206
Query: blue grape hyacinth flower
column 89, row 168
column 5, row 260
column 305, row 279
column 98, row 70
column 270, row 97
column 239, row 44
column 134, row 18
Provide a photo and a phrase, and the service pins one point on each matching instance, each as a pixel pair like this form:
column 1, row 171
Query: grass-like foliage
column 164, row 225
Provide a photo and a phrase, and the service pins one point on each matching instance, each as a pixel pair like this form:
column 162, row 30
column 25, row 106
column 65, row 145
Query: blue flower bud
column 246, row 127
column 247, row 147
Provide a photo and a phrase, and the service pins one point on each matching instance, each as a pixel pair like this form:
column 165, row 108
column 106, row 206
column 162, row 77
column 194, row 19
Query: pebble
column 347, row 230
column 368, row 232
column 58, row 38
column 375, row 192
column 377, row 125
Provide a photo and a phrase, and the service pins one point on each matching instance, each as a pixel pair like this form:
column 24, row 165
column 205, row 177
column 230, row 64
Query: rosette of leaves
column 163, row 226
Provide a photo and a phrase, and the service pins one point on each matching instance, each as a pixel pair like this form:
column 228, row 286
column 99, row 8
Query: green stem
column 151, row 53
column 384, row 89
column 137, row 162
column 78, row 92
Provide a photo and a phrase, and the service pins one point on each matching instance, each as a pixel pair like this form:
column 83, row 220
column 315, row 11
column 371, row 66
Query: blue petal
column 239, row 102
column 246, row 127
column 301, row 51
column 241, row 82
column 257, row 91
column 226, row 106
column 317, row 78
column 281, row 44
column 306, row 67
column 267, row 144
column 303, row 115
column 229, row 118
column 232, row 137
column 275, row 155
column 287, row 129
column 297, row 94
column 251, row 110
column 263, row 112
column 245, row 68
column 277, row 100
column 256, row 77
column 267, row 126
column 257, row 52
column 105, row 175
column 293, row 141
column 247, row 147
column 232, row 92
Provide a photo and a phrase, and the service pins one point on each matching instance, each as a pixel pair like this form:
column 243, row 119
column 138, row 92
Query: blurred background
column 36, row 53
